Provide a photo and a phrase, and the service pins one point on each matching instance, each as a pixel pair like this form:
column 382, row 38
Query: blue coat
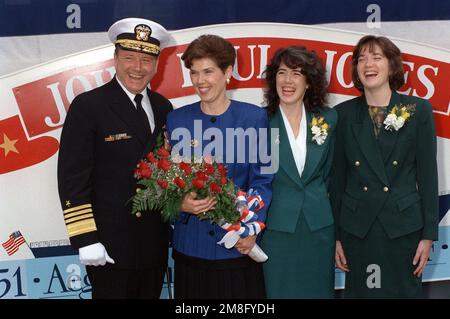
column 197, row 238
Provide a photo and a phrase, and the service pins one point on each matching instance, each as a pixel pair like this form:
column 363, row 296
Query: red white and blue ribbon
column 248, row 225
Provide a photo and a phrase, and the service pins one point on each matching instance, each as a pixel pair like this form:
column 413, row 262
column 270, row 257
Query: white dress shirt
column 298, row 145
column 145, row 104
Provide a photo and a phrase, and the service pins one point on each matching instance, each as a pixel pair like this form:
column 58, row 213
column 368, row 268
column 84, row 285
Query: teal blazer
column 393, row 178
column 307, row 193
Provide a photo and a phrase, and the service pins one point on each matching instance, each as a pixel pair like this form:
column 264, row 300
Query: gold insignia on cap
column 142, row 32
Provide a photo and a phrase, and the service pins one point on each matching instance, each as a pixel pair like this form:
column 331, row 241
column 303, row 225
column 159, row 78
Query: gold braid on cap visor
column 139, row 46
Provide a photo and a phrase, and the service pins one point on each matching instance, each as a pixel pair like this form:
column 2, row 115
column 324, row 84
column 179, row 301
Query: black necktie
column 142, row 115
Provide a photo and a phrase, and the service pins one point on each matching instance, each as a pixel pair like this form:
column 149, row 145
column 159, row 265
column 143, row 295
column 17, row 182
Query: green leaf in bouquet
column 159, row 140
column 171, row 210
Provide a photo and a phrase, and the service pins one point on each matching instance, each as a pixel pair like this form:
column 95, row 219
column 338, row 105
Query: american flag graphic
column 13, row 243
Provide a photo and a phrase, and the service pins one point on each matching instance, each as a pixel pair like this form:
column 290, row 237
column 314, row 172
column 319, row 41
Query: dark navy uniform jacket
column 102, row 141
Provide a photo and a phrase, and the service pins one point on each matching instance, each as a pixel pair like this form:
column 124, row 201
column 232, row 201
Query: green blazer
column 393, row 178
column 293, row 194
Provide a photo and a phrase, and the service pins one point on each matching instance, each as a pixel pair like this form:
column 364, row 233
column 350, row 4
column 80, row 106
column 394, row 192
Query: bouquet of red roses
column 164, row 181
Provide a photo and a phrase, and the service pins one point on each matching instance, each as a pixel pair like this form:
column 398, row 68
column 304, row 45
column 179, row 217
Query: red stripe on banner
column 425, row 78
column 17, row 152
column 442, row 125
column 55, row 93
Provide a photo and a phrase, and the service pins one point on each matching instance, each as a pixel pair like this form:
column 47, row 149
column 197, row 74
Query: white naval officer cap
column 139, row 35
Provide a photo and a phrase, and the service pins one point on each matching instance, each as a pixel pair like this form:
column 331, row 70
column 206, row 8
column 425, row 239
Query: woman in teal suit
column 299, row 238
column 384, row 189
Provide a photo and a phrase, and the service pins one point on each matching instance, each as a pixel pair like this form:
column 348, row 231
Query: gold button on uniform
column 138, row 214
column 357, row 163
column 395, row 163
column 365, row 188
column 386, row 189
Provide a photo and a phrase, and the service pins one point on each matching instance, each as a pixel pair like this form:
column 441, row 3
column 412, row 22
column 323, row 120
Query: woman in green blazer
column 299, row 238
column 384, row 190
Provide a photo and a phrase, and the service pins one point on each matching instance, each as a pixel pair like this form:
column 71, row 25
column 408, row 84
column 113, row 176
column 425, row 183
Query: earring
column 228, row 81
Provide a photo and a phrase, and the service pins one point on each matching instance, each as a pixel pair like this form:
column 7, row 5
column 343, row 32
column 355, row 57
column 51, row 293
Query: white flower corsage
column 398, row 116
column 319, row 129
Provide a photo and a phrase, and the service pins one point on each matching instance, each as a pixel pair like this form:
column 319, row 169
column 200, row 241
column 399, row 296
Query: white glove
column 94, row 255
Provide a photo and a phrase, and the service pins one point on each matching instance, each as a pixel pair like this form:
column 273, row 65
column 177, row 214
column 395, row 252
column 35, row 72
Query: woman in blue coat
column 299, row 238
column 204, row 269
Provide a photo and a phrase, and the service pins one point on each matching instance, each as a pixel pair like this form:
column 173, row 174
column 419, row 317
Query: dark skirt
column 197, row 278
column 109, row 282
column 381, row 267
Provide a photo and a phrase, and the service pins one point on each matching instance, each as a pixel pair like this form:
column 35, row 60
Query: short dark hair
column 390, row 51
column 311, row 67
column 210, row 46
